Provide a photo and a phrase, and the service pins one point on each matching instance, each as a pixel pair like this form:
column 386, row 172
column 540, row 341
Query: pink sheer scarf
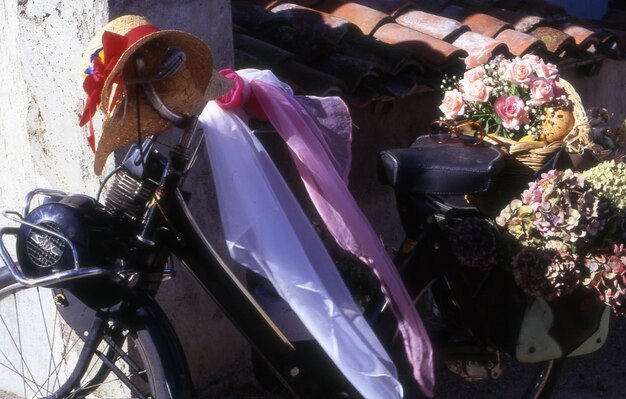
column 325, row 176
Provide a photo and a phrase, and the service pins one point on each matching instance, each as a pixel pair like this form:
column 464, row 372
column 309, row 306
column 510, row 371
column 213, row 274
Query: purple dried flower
column 545, row 273
column 608, row 276
column 474, row 243
column 557, row 206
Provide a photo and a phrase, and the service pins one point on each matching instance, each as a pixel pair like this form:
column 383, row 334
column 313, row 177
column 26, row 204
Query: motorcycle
column 93, row 268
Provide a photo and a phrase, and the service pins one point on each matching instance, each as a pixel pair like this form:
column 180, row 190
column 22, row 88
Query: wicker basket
column 525, row 158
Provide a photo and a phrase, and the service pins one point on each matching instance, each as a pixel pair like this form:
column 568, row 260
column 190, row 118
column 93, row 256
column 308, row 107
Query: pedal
column 473, row 364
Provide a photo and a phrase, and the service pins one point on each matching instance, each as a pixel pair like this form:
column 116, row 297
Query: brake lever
column 175, row 58
column 172, row 64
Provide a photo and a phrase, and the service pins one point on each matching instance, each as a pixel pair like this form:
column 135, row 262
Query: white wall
column 41, row 145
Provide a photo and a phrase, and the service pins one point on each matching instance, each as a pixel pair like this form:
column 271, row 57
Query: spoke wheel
column 39, row 351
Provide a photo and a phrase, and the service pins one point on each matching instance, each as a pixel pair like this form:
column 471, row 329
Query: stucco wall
column 605, row 89
column 41, row 145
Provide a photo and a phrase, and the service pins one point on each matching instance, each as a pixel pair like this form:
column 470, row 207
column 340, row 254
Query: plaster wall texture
column 605, row 89
column 41, row 144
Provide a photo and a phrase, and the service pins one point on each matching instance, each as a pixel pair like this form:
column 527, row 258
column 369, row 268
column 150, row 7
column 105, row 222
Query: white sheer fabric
column 267, row 231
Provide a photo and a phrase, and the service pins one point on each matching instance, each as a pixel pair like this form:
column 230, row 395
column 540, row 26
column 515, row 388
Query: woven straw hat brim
column 195, row 84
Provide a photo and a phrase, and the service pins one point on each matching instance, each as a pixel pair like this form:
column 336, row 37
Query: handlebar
column 175, row 59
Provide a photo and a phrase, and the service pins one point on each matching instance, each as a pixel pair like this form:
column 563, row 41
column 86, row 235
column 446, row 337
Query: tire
column 39, row 351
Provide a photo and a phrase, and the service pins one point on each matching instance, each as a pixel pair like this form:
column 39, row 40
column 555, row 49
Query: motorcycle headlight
column 42, row 250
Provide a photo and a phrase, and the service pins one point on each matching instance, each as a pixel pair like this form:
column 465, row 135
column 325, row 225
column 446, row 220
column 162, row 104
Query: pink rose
column 544, row 70
column 477, row 56
column 452, row 104
column 540, row 68
column 511, row 110
column 474, row 74
column 476, row 91
column 520, row 71
column 541, row 91
column 532, row 59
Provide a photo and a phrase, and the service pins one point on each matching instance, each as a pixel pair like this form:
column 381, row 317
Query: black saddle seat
column 440, row 169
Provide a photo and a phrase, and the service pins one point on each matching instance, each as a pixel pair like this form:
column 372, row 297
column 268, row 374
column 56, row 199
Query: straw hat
column 107, row 67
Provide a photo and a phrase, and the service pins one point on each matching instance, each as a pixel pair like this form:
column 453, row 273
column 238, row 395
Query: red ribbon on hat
column 113, row 46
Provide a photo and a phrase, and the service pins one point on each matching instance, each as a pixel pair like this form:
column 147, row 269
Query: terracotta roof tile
column 367, row 19
column 432, row 50
column 306, row 80
column 584, row 37
column 486, row 24
column 520, row 43
column 254, row 16
column 520, row 21
column 353, row 71
column 556, row 41
column 258, row 52
column 621, row 42
column 608, row 39
column 379, row 49
column 314, row 22
column 439, row 27
column 391, row 7
column 470, row 40
column 392, row 60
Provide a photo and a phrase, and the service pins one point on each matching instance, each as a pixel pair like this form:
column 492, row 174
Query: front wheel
column 40, row 351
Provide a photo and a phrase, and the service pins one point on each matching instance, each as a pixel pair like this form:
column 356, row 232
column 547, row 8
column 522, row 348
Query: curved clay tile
column 470, row 40
column 367, row 19
column 441, row 28
column 433, row 51
column 520, row 43
column 621, row 43
column 556, row 41
column 315, row 22
column 584, row 37
column 268, row 53
column 520, row 21
column 608, row 39
column 390, row 7
column 609, row 42
column 304, row 79
column 391, row 60
column 486, row 24
column 251, row 52
column 352, row 71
